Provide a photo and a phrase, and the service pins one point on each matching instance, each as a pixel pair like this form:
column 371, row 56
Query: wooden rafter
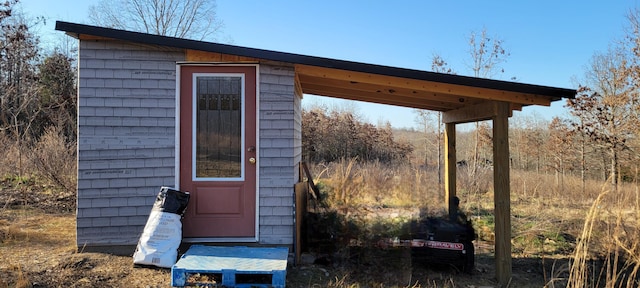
column 330, row 75
column 411, row 95
column 377, row 97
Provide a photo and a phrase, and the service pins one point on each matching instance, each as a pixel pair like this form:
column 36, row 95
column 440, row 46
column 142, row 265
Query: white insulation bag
column 160, row 240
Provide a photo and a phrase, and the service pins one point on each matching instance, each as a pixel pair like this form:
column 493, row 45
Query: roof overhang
column 454, row 94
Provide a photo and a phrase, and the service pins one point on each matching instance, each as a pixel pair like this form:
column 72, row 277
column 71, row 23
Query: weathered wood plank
column 449, row 165
column 472, row 113
column 298, row 87
column 203, row 56
column 301, row 189
column 422, row 85
column 502, row 193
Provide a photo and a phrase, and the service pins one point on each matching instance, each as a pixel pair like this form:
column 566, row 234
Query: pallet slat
column 230, row 262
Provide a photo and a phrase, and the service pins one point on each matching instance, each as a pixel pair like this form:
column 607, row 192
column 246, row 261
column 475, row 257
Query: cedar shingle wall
column 126, row 138
column 277, row 154
column 126, row 142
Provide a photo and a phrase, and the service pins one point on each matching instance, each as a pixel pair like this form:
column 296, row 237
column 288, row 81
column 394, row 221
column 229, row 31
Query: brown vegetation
column 328, row 136
column 597, row 228
column 569, row 228
column 549, row 229
column 553, row 222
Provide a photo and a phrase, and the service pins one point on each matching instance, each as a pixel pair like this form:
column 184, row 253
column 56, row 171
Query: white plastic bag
column 158, row 245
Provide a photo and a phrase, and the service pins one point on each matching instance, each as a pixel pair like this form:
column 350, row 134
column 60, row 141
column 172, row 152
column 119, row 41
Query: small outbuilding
column 224, row 123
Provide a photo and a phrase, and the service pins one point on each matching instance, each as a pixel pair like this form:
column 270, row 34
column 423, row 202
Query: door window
column 218, row 121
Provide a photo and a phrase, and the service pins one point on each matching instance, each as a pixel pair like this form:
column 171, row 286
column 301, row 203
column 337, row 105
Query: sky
column 550, row 42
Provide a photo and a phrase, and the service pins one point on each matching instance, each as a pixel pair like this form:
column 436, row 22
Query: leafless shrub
column 55, row 159
column 350, row 182
column 15, row 163
column 8, row 162
column 346, row 182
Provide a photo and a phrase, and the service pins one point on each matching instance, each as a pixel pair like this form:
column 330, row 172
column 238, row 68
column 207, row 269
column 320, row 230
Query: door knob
column 252, row 160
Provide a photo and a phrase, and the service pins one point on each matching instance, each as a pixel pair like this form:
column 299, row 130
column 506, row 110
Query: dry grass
column 608, row 250
column 38, row 250
column 27, row 238
column 31, row 227
column 554, row 218
column 552, row 224
column 51, row 159
column 354, row 184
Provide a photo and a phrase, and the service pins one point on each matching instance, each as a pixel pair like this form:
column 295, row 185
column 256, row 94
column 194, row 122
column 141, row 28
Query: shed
column 224, row 123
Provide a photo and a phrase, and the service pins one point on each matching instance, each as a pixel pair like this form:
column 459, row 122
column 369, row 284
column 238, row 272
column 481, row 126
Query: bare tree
column 57, row 94
column 424, row 118
column 634, row 43
column 429, row 126
column 195, row 19
column 329, row 136
column 18, row 54
column 559, row 147
column 486, row 54
column 608, row 107
column 19, row 109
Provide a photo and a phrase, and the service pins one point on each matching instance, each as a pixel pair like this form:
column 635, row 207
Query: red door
column 218, row 150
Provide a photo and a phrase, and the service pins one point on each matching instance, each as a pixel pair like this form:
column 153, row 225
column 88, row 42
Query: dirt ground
column 37, row 248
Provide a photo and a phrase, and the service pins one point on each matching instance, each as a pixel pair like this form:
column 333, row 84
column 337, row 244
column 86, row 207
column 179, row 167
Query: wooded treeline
column 37, row 89
column 558, row 146
column 37, row 102
column 598, row 140
column 328, row 136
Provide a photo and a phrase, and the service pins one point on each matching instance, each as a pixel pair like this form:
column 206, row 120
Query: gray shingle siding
column 126, row 141
column 277, row 154
column 126, row 137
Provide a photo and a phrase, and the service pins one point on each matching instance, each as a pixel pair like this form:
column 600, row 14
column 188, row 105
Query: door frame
column 179, row 65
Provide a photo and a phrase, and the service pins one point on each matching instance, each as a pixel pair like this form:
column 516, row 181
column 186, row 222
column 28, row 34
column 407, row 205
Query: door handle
column 252, row 160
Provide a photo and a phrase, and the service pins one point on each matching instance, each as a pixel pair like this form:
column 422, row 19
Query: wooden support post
column 502, row 193
column 449, row 165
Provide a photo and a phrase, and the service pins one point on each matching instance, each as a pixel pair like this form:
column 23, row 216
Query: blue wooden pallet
column 228, row 263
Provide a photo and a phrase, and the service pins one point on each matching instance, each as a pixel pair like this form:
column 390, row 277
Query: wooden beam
column 91, row 37
column 438, row 87
column 392, row 91
column 301, row 190
column 297, row 87
column 502, row 193
column 203, row 56
column 472, row 113
column 376, row 98
column 449, row 166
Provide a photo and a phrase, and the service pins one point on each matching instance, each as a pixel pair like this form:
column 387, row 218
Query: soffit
column 406, row 92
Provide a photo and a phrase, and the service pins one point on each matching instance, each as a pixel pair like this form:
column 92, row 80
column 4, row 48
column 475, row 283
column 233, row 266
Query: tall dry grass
column 352, row 183
column 598, row 230
column 608, row 251
column 51, row 159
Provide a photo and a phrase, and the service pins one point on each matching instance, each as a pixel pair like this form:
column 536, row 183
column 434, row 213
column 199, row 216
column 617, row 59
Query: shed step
column 231, row 267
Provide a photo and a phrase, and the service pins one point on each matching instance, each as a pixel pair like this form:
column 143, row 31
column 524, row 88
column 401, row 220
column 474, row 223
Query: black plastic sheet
column 171, row 201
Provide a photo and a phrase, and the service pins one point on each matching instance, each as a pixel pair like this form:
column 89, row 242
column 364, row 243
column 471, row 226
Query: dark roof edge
column 549, row 91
